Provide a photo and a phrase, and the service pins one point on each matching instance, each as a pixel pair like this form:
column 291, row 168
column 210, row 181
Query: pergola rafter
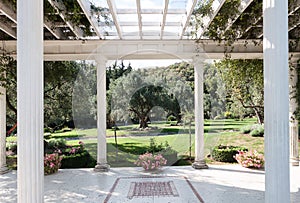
column 166, row 4
column 61, row 9
column 188, row 17
column 86, row 7
column 243, row 6
column 112, row 8
column 138, row 10
column 216, row 6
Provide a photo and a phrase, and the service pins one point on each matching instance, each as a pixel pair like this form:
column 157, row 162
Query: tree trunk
column 260, row 117
column 143, row 122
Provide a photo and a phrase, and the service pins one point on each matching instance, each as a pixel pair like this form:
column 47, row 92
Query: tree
column 244, row 82
column 59, row 77
column 141, row 90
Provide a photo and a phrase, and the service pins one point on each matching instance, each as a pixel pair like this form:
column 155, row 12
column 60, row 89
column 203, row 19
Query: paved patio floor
column 219, row 183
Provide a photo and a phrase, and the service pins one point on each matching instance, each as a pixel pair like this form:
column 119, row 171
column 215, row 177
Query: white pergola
column 166, row 38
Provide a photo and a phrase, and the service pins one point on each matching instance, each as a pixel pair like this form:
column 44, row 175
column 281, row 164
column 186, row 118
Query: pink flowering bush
column 251, row 159
column 76, row 150
column 52, row 163
column 151, row 162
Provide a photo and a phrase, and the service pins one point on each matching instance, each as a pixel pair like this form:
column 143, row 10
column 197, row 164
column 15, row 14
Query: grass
column 131, row 140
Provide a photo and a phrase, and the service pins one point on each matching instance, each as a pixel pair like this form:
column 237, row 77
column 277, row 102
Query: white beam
column 151, row 11
column 276, row 101
column 30, row 101
column 188, row 17
column 165, row 11
column 113, row 11
column 86, row 7
column 8, row 11
column 61, row 9
column 142, row 49
column 56, row 32
column 8, row 30
column 138, row 10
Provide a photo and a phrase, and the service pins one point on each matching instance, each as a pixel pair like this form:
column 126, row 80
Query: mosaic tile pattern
column 150, row 189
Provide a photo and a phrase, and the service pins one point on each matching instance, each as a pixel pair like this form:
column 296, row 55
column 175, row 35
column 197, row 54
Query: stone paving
column 219, row 183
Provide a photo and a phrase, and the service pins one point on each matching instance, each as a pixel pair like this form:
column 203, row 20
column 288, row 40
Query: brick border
column 135, row 177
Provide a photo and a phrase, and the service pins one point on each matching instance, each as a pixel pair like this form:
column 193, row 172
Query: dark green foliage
column 226, row 153
column 82, row 160
column 57, row 144
column 246, row 129
column 258, row 131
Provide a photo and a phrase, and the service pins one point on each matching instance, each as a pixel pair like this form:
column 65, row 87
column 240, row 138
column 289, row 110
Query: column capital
column 198, row 59
column 99, row 58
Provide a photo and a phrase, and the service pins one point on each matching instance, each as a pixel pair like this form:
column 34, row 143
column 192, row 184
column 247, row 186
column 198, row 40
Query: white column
column 3, row 167
column 102, row 165
column 276, row 100
column 30, row 116
column 293, row 78
column 199, row 162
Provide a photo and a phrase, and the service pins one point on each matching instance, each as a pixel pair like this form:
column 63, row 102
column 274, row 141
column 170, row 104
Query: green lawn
column 131, row 140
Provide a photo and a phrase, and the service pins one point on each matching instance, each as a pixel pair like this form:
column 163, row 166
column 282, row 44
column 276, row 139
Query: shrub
column 78, row 160
column 151, row 162
column 171, row 118
column 52, row 163
column 12, row 146
column 226, row 153
column 246, row 129
column 251, row 159
column 258, row 131
column 57, row 143
column 228, row 115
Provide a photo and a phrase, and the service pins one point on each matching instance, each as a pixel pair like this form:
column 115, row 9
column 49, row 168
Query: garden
column 226, row 141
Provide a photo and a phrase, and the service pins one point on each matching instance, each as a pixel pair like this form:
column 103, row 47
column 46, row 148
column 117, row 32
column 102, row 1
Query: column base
column 4, row 170
column 294, row 161
column 200, row 165
column 102, row 167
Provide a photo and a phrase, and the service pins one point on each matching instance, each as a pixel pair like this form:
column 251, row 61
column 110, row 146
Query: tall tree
column 244, row 82
column 138, row 92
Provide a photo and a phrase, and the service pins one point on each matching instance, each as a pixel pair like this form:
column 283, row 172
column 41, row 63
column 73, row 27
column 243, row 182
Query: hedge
column 225, row 153
column 82, row 160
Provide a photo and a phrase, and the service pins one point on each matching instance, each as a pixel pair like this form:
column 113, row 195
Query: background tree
column 59, row 77
column 244, row 83
column 143, row 89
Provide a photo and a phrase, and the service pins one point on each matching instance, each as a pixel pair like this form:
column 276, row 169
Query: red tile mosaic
column 150, row 188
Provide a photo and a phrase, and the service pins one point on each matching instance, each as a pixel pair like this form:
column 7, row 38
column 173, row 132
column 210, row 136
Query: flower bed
column 151, row 162
column 52, row 162
column 251, row 159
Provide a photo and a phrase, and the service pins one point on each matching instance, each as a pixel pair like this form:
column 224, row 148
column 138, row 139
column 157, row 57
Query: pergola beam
column 188, row 17
column 165, row 11
column 60, row 8
column 138, row 10
column 86, row 7
column 56, row 32
column 216, row 6
column 8, row 30
column 151, row 11
column 142, row 49
column 8, row 12
column 243, row 6
column 113, row 10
